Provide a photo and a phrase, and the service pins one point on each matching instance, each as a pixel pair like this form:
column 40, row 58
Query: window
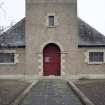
column 51, row 21
column 96, row 56
column 7, row 58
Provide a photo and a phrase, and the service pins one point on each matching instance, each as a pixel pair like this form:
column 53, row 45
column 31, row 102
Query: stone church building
column 52, row 41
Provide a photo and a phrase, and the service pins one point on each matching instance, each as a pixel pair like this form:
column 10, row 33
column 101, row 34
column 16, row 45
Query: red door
column 51, row 60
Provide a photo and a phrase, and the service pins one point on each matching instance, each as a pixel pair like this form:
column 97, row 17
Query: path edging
column 80, row 94
column 23, row 94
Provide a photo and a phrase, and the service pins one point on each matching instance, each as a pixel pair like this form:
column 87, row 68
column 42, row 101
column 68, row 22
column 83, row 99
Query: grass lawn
column 10, row 89
column 93, row 89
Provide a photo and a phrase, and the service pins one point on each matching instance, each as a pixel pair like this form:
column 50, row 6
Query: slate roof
column 15, row 36
column 89, row 37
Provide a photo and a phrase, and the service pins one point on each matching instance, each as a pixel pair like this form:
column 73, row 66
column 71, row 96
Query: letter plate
column 47, row 59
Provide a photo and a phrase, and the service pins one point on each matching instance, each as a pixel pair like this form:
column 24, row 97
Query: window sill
column 51, row 26
column 8, row 63
column 96, row 63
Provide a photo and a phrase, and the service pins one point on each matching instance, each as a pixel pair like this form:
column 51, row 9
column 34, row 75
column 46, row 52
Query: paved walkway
column 51, row 92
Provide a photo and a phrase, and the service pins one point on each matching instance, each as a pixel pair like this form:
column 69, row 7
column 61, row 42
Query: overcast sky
column 91, row 11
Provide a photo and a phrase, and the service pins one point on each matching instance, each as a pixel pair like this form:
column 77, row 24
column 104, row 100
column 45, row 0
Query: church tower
column 51, row 37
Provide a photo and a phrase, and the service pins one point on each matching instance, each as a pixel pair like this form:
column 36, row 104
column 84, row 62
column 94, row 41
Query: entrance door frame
column 62, row 68
column 58, row 50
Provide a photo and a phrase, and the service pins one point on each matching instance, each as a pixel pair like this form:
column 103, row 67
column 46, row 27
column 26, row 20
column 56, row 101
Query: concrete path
column 51, row 92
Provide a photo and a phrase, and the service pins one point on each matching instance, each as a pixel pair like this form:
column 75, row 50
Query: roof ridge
column 13, row 27
column 94, row 29
column 89, row 35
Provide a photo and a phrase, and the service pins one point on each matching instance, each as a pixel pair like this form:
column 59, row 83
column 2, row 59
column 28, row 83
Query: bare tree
column 5, row 28
column 1, row 29
column 2, row 9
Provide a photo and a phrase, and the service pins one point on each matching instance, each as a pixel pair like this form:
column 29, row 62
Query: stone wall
column 64, row 34
column 14, row 69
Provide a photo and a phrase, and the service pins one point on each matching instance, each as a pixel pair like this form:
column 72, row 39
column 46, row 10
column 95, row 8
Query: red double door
column 51, row 60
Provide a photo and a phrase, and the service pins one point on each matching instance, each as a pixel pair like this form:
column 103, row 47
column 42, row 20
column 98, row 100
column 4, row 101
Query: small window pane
column 6, row 57
column 51, row 20
column 96, row 57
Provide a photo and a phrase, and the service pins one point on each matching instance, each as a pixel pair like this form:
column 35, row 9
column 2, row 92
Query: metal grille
column 6, row 57
column 96, row 56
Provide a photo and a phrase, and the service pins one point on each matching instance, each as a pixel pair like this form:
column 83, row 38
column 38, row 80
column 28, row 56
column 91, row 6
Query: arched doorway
column 51, row 60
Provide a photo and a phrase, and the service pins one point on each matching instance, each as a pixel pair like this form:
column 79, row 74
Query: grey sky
column 91, row 11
